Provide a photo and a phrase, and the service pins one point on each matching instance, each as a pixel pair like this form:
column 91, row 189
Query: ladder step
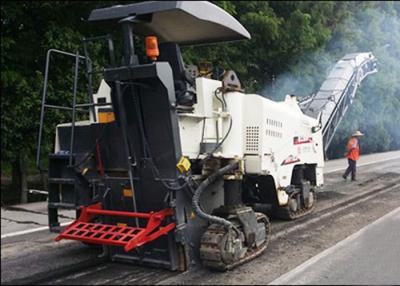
column 101, row 233
column 129, row 237
column 62, row 206
column 59, row 156
column 65, row 181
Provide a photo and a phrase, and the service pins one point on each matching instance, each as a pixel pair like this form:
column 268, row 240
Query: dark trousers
column 351, row 169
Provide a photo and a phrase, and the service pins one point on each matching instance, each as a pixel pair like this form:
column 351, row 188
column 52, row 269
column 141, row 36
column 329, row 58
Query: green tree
column 375, row 27
column 29, row 29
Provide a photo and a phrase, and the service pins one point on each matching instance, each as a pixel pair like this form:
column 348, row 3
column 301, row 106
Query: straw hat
column 357, row 133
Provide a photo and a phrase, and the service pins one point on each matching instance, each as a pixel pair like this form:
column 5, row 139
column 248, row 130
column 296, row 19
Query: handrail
column 71, row 146
column 44, row 94
column 75, row 107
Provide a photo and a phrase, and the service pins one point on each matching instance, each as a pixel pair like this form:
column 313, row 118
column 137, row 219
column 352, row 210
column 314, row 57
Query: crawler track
column 211, row 251
column 287, row 214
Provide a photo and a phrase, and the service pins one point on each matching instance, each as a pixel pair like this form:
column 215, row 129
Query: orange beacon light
column 152, row 48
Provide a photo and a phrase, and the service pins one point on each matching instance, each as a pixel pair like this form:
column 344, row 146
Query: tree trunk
column 24, row 181
column 15, row 181
column 43, row 177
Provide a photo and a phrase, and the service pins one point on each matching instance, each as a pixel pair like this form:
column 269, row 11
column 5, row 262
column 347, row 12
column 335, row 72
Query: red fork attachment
column 129, row 237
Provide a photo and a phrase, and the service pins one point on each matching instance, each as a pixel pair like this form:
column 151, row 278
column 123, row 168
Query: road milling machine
column 176, row 165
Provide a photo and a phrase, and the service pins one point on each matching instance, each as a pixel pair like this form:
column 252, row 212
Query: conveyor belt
column 337, row 92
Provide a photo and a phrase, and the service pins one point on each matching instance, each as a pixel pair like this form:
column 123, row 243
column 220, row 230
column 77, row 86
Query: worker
column 353, row 154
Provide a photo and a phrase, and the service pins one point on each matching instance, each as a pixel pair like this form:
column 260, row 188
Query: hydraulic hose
column 196, row 197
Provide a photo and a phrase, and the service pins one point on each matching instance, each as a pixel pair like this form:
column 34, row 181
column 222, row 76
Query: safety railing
column 83, row 107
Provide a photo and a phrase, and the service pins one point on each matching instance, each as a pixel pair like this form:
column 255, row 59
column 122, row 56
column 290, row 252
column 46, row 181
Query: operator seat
column 183, row 81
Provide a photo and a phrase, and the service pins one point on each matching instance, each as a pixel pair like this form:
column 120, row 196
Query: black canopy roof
column 181, row 22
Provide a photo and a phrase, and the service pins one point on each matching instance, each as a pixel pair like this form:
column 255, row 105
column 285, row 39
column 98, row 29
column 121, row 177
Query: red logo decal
column 302, row 140
column 290, row 160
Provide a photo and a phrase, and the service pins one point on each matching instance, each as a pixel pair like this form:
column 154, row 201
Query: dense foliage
column 292, row 47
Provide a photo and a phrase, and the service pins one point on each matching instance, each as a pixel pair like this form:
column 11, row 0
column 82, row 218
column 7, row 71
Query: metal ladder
column 75, row 107
column 58, row 182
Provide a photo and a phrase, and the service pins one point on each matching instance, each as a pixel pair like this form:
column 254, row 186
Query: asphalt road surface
column 370, row 256
column 30, row 256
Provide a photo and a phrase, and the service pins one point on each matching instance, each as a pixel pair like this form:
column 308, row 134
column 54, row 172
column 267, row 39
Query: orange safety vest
column 353, row 149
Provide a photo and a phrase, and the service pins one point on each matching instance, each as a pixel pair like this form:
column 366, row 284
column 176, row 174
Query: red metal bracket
column 129, row 237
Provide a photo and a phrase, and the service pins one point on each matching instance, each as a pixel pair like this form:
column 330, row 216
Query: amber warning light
column 152, row 48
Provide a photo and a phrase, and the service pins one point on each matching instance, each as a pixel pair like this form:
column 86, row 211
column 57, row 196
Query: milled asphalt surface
column 371, row 256
column 29, row 216
column 294, row 242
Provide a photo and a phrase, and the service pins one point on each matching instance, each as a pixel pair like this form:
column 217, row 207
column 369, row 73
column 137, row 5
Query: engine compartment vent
column 252, row 139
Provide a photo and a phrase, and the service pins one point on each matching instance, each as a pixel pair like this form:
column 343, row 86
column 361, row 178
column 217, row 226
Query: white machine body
column 103, row 95
column 270, row 137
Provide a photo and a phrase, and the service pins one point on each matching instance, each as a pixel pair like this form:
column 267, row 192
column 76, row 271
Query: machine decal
column 290, row 160
column 302, row 140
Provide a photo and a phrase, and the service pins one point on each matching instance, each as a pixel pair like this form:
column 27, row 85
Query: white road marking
column 360, row 165
column 17, row 233
column 285, row 278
